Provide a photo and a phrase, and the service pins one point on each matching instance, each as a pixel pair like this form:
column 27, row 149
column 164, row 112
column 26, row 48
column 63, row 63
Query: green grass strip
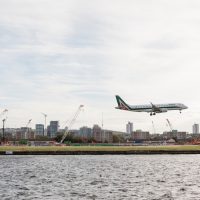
column 101, row 148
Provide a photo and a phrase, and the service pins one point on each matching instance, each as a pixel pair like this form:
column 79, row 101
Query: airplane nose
column 186, row 107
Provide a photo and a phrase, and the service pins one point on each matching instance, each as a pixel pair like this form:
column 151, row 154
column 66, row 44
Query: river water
column 100, row 177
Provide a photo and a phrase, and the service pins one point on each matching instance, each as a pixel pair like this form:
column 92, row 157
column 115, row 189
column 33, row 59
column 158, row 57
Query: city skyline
column 128, row 128
column 58, row 55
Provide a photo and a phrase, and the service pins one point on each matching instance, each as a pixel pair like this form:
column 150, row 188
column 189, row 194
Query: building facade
column 107, row 136
column 140, row 135
column 181, row 135
column 195, row 129
column 39, row 130
column 129, row 127
column 85, row 132
column 175, row 134
column 23, row 133
column 53, row 128
column 97, row 133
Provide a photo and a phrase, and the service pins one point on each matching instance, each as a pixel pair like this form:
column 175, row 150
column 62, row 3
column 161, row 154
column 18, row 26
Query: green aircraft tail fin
column 121, row 103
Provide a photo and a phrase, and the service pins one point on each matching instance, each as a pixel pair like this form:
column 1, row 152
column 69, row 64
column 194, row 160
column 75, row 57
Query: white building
column 195, row 129
column 129, row 127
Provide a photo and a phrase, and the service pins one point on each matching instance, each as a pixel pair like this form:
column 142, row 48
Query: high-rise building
column 39, row 130
column 53, row 128
column 129, row 127
column 195, row 129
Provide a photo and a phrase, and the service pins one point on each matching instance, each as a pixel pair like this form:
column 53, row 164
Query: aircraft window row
column 168, row 105
column 142, row 106
column 158, row 105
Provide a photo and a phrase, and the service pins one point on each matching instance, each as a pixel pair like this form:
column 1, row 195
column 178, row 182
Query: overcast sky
column 56, row 55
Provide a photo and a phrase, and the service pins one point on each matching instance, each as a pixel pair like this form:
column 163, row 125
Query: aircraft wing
column 155, row 108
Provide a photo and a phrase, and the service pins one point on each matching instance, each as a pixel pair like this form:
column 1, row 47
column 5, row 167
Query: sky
column 56, row 55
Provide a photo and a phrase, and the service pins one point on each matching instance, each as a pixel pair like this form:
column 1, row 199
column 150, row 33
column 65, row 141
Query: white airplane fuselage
column 151, row 108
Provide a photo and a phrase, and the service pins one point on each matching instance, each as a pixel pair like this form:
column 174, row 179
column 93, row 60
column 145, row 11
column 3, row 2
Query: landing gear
column 152, row 114
column 180, row 111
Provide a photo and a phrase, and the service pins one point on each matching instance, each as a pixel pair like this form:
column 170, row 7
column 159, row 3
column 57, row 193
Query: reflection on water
column 100, row 177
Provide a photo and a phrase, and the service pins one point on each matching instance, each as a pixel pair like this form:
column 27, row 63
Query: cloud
column 165, row 43
column 57, row 55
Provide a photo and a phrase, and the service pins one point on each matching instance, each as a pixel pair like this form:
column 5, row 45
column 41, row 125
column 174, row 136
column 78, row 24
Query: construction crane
column 3, row 113
column 4, row 120
column 170, row 125
column 71, row 123
column 45, row 122
column 27, row 127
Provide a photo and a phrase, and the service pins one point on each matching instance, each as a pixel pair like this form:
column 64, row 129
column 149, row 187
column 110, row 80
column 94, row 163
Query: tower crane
column 71, row 123
column 27, row 127
column 170, row 125
column 4, row 120
column 3, row 112
column 45, row 122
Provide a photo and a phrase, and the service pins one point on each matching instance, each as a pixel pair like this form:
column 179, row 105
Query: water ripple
column 142, row 177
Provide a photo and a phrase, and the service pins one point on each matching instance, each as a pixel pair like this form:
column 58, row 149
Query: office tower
column 129, row 127
column 195, row 128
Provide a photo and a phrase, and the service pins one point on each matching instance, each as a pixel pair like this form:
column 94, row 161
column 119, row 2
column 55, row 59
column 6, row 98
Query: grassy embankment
column 102, row 148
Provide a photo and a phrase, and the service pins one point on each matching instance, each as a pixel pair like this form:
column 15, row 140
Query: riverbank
column 98, row 150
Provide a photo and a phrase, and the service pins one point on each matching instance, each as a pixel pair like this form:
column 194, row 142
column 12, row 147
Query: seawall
column 135, row 152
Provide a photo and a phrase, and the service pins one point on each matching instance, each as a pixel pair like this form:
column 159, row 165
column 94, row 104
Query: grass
column 101, row 148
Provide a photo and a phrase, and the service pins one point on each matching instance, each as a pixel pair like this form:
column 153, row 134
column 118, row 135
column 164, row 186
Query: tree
column 23, row 142
column 118, row 138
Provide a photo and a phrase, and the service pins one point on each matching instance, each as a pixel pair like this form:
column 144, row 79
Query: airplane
column 151, row 108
